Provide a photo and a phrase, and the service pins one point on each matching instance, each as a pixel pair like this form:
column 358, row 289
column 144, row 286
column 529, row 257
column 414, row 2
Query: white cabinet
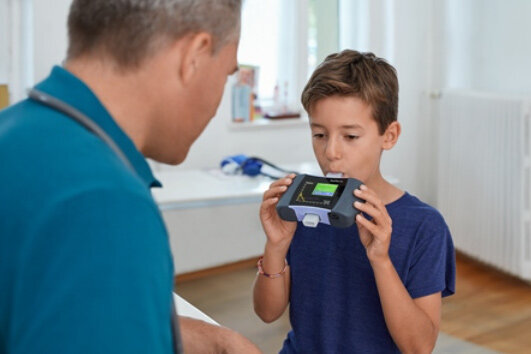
column 212, row 219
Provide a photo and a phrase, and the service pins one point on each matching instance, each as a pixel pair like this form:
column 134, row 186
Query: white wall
column 4, row 28
column 50, row 35
column 15, row 48
column 413, row 157
column 487, row 45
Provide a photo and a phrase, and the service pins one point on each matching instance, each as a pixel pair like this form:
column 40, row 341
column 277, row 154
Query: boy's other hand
column 279, row 232
column 375, row 234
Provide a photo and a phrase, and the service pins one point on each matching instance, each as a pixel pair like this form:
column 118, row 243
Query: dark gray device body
column 334, row 209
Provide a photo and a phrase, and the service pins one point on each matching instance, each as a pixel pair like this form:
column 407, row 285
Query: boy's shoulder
column 412, row 210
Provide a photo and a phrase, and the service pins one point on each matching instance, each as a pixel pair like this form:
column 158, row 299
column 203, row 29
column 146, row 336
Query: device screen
column 320, row 192
column 325, row 189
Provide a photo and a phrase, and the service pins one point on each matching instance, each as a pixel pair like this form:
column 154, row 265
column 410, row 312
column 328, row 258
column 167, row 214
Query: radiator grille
column 484, row 177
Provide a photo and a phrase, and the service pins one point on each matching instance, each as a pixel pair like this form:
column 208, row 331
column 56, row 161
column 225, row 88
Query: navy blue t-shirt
column 334, row 301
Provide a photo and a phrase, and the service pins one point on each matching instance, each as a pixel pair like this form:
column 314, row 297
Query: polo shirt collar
column 66, row 87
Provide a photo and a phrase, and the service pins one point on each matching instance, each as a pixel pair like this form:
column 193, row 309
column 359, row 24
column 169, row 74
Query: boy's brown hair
column 362, row 75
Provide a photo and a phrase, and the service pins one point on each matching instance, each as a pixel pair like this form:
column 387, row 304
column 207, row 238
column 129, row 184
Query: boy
column 375, row 287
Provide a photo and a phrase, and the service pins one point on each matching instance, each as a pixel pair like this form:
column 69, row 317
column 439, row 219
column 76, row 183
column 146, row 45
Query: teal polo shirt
column 85, row 262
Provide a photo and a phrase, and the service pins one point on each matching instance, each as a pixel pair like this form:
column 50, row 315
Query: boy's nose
column 333, row 151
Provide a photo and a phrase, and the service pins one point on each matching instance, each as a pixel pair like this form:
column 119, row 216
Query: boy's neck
column 386, row 191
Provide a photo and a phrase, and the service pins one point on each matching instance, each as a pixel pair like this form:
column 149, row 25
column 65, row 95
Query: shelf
column 265, row 123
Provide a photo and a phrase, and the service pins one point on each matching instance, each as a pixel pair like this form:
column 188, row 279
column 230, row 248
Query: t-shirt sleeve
column 432, row 268
column 97, row 279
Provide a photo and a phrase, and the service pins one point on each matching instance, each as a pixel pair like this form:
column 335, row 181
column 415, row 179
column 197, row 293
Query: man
column 85, row 263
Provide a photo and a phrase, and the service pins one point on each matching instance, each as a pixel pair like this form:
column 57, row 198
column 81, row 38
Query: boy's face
column 346, row 138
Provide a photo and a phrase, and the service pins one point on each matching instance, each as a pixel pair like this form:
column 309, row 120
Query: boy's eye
column 352, row 137
column 318, row 135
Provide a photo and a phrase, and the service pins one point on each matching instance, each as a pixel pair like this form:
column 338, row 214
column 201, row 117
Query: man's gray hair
column 129, row 31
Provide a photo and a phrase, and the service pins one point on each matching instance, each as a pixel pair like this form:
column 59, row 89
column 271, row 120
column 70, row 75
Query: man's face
column 345, row 137
column 185, row 109
column 207, row 89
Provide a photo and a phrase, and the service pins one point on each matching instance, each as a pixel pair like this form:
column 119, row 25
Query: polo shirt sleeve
column 432, row 268
column 98, row 278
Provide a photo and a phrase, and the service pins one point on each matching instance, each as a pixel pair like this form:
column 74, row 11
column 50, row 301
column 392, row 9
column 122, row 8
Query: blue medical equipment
column 252, row 166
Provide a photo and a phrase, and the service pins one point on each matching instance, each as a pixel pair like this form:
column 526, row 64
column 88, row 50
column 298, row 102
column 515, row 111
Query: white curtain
column 401, row 32
column 368, row 25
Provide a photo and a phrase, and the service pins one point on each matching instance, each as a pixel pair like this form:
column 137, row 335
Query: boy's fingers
column 370, row 197
column 268, row 203
column 274, row 192
column 366, row 224
column 380, row 219
column 281, row 182
column 266, row 208
column 369, row 209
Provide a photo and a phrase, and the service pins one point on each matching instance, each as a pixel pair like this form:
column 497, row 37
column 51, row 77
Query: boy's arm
column 413, row 323
column 271, row 295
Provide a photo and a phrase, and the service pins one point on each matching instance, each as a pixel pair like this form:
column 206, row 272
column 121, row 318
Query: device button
column 310, row 220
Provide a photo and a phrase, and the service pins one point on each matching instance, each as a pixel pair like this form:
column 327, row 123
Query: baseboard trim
column 251, row 262
column 484, row 266
column 224, row 268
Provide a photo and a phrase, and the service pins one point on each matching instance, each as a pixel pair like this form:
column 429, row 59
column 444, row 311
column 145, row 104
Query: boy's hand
column 375, row 234
column 279, row 232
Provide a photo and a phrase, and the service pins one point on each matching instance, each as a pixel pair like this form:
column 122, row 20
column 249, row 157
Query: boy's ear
column 391, row 135
column 197, row 49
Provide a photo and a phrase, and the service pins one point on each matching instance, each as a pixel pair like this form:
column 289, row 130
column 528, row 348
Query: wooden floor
column 490, row 309
column 227, row 298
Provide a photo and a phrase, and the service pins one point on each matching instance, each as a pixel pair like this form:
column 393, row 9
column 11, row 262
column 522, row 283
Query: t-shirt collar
column 66, row 87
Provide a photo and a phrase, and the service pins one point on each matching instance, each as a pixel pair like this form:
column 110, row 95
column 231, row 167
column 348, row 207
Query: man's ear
column 391, row 135
column 197, row 49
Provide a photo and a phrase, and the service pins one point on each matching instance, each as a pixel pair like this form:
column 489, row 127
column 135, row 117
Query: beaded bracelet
column 272, row 276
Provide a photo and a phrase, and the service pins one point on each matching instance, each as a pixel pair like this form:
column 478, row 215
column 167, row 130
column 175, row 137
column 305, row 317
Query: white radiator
column 484, row 177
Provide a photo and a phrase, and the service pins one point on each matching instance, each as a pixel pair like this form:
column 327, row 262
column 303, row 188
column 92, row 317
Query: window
column 285, row 40
column 323, row 31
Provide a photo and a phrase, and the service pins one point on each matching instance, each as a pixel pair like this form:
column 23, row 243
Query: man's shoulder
column 42, row 146
column 48, row 158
